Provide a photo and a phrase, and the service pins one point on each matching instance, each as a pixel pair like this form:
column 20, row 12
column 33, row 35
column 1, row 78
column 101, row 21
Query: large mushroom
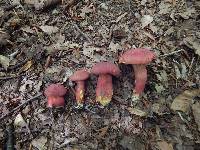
column 55, row 95
column 139, row 58
column 104, row 89
column 79, row 77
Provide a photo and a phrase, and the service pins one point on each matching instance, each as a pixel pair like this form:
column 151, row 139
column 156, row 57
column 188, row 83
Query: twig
column 83, row 34
column 11, row 77
column 172, row 53
column 190, row 67
column 21, row 105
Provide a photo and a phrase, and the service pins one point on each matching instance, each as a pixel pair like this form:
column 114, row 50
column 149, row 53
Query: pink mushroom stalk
column 79, row 77
column 104, row 89
column 55, row 95
column 139, row 58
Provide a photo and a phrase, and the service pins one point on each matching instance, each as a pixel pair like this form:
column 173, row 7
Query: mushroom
column 104, row 89
column 139, row 58
column 54, row 94
column 79, row 77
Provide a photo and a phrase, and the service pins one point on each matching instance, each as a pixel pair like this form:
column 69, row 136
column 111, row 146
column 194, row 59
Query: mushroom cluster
column 138, row 57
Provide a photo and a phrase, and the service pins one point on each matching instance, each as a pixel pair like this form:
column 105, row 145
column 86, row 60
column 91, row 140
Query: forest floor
column 45, row 42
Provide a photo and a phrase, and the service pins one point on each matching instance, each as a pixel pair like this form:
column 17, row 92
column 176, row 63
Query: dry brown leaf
column 102, row 131
column 163, row 145
column 26, row 66
column 4, row 37
column 137, row 112
column 183, row 101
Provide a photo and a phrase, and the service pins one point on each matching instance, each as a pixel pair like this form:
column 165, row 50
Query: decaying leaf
column 114, row 47
column 132, row 143
column 163, row 145
column 4, row 61
column 137, row 112
column 146, row 20
column 39, row 143
column 26, row 66
column 19, row 121
column 196, row 113
column 86, row 10
column 49, row 29
column 188, row 13
column 4, row 37
column 164, row 8
column 183, row 101
column 192, row 43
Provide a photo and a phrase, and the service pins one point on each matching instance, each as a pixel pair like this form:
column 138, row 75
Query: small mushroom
column 104, row 89
column 79, row 77
column 139, row 58
column 54, row 94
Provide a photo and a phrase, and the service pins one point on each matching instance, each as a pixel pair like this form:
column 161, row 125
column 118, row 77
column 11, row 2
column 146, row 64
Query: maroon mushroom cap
column 79, row 75
column 105, row 68
column 137, row 56
column 55, row 90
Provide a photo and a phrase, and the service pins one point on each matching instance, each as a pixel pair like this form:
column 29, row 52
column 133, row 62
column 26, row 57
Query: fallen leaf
column 132, row 143
column 188, row 13
column 196, row 113
column 4, row 37
column 183, row 101
column 193, row 44
column 137, row 112
column 4, row 61
column 49, row 29
column 120, row 17
column 26, row 66
column 102, row 131
column 163, row 145
column 86, row 10
column 114, row 47
column 146, row 20
column 39, row 143
column 164, row 8
column 19, row 121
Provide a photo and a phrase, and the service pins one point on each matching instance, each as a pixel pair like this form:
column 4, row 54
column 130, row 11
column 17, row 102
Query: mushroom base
column 55, row 101
column 104, row 90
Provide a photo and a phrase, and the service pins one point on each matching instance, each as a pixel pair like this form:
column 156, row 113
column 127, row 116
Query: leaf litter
column 45, row 42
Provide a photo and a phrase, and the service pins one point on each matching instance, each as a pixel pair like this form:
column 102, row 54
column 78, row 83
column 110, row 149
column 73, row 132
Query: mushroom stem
column 55, row 101
column 140, row 72
column 80, row 90
column 104, row 90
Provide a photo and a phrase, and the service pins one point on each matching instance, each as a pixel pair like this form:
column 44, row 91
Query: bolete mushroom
column 79, row 77
column 139, row 58
column 55, row 95
column 104, row 89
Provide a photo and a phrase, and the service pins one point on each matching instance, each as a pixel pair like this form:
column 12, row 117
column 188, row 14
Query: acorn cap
column 55, row 90
column 79, row 75
column 137, row 56
column 105, row 68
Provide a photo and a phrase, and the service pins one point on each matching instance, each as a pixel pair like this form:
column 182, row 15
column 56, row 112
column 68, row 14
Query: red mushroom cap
column 79, row 75
column 105, row 68
column 137, row 56
column 55, row 90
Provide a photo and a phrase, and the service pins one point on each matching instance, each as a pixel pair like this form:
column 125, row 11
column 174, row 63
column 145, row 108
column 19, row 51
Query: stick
column 20, row 106
column 174, row 52
column 83, row 34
